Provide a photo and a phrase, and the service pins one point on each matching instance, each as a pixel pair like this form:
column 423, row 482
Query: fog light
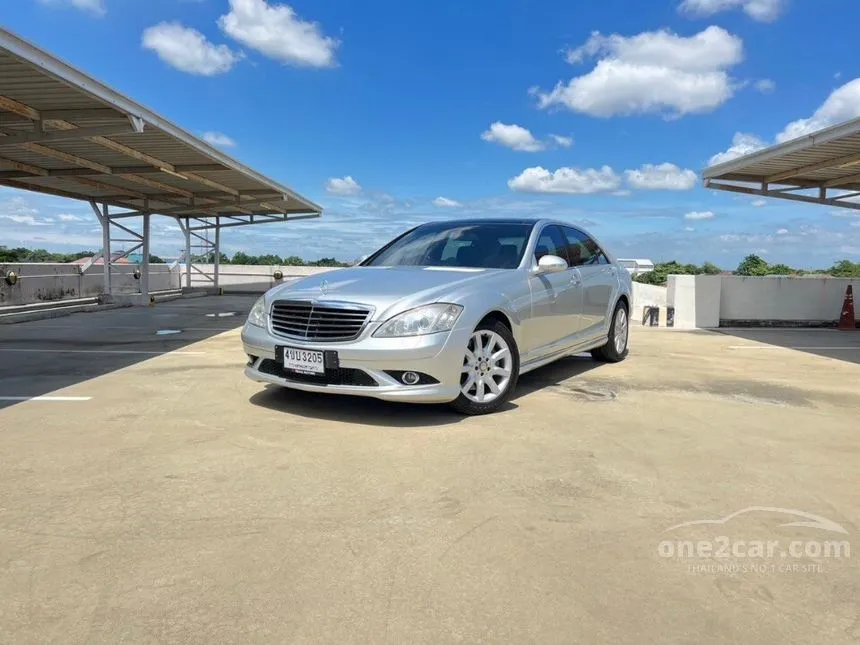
column 410, row 378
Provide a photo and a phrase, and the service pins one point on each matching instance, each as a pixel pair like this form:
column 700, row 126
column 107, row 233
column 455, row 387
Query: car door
column 556, row 299
column 599, row 281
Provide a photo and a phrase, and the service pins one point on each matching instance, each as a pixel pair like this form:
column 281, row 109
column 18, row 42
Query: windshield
column 491, row 245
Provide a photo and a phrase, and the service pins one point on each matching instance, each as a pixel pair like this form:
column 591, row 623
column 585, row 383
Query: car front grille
column 308, row 320
column 336, row 376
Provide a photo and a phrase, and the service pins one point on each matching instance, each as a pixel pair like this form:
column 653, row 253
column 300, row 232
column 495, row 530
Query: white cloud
column 742, row 144
column 29, row 220
column 761, row 10
column 95, row 7
column 67, row 217
column 699, row 215
column 277, row 32
column 842, row 105
column 664, row 176
column 564, row 142
column 652, row 72
column 764, row 85
column 689, row 229
column 346, row 186
column 218, row 139
column 565, row 180
column 782, row 231
column 512, row 136
column 759, row 202
column 188, row 50
column 444, row 202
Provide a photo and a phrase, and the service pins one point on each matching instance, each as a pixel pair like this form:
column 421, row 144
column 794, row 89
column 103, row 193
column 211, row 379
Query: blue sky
column 394, row 113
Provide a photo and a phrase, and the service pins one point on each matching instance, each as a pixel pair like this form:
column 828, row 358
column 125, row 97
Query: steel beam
column 64, row 135
column 746, row 190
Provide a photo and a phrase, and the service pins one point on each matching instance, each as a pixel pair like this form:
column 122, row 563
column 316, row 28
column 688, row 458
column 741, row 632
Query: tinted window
column 495, row 245
column 551, row 242
column 581, row 249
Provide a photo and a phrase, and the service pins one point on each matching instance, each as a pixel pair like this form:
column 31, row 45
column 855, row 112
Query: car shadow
column 359, row 409
column 554, row 374
column 354, row 409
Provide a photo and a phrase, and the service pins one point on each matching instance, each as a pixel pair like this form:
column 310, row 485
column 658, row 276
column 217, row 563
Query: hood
column 388, row 289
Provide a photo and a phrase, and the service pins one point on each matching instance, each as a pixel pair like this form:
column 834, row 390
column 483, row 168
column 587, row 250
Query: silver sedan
column 448, row 312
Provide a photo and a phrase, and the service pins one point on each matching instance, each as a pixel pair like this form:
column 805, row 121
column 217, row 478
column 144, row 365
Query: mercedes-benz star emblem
column 324, row 287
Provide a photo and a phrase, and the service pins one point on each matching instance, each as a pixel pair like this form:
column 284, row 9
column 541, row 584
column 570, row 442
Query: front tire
column 491, row 367
column 615, row 349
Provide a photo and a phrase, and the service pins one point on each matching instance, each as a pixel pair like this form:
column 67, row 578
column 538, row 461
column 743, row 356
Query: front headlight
column 258, row 316
column 428, row 319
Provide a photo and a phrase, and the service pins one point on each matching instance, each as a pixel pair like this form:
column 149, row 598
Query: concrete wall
column 647, row 295
column 784, row 299
column 696, row 300
column 49, row 282
column 242, row 277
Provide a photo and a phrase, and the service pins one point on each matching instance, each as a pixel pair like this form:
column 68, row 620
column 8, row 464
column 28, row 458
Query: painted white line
column 102, row 351
column 45, row 398
column 836, row 349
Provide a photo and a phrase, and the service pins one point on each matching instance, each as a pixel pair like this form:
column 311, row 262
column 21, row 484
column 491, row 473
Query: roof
column 819, row 168
column 98, row 145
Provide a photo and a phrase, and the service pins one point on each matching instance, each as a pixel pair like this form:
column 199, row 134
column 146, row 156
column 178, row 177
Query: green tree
column 709, row 268
column 845, row 269
column 780, row 269
column 154, row 259
column 752, row 265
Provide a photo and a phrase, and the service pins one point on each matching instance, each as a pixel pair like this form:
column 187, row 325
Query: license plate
column 303, row 361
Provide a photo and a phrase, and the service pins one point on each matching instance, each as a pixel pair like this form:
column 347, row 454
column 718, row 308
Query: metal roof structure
column 819, row 168
column 66, row 134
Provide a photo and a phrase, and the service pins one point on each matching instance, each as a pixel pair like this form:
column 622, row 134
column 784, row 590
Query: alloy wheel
column 621, row 330
column 487, row 367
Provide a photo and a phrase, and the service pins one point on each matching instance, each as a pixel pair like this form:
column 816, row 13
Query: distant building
column 637, row 266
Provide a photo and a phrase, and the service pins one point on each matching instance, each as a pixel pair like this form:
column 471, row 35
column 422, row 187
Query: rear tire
column 615, row 349
column 491, row 367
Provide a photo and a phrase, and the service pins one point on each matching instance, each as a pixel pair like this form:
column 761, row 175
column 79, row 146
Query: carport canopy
column 818, row 168
column 64, row 133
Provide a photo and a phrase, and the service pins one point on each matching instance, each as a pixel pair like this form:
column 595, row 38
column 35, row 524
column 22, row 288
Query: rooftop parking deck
column 154, row 494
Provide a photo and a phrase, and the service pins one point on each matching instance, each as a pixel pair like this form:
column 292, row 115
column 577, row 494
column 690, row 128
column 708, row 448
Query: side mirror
column 551, row 264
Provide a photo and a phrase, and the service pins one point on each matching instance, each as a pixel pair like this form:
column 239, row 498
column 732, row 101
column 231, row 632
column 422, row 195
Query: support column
column 106, row 250
column 187, row 232
column 144, row 265
column 217, row 250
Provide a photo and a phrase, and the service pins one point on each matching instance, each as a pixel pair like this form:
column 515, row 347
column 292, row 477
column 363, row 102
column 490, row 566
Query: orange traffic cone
column 846, row 318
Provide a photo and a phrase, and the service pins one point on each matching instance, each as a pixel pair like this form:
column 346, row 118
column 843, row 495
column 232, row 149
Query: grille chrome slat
column 304, row 320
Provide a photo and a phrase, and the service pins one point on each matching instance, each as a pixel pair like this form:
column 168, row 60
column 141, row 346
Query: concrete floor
column 177, row 502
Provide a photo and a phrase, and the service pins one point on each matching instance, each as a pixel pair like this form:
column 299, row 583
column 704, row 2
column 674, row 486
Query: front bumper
column 439, row 356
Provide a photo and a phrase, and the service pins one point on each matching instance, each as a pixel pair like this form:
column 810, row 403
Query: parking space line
column 45, row 398
column 103, row 351
column 821, row 348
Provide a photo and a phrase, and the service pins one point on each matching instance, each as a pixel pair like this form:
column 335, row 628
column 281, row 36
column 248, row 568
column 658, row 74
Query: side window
column 582, row 249
column 551, row 242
